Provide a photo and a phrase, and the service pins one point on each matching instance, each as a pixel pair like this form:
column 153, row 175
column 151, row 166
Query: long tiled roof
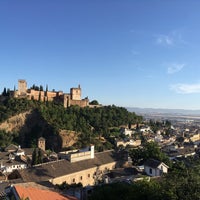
column 59, row 168
column 34, row 193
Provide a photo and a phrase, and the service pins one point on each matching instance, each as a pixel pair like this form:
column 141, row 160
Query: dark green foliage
column 34, row 87
column 4, row 93
column 149, row 150
column 39, row 156
column 12, row 106
column 94, row 102
column 6, row 138
column 41, row 88
column 36, row 156
column 89, row 123
column 181, row 183
column 157, row 125
column 66, row 186
column 141, row 190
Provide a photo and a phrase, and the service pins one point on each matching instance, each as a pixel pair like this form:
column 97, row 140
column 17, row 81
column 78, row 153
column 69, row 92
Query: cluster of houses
column 87, row 167
column 182, row 140
column 71, row 167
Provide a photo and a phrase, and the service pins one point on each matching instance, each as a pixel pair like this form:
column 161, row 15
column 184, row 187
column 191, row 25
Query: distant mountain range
column 148, row 111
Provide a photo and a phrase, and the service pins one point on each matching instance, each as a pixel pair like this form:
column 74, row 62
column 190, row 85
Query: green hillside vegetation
column 89, row 123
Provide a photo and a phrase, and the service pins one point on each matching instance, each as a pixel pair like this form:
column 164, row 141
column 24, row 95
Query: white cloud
column 173, row 38
column 174, row 68
column 165, row 40
column 186, row 88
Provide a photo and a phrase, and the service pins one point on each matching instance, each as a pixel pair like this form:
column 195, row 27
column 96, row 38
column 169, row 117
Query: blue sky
column 131, row 53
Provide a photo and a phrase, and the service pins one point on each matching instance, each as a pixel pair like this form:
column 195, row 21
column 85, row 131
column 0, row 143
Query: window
column 81, row 178
column 150, row 170
column 73, row 180
column 88, row 175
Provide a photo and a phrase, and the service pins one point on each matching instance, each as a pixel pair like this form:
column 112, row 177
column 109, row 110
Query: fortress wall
column 81, row 103
column 73, row 98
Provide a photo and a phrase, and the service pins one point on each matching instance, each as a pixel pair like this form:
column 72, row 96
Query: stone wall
column 86, row 177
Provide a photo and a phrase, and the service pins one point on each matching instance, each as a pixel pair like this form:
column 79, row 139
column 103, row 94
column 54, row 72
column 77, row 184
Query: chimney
column 92, row 151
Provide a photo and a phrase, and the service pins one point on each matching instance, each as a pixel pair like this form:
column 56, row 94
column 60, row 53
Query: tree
column 41, row 88
column 39, row 156
column 94, row 102
column 8, row 92
column 6, row 138
column 183, row 182
column 4, row 93
column 142, row 190
column 39, row 98
column 149, row 150
column 34, row 157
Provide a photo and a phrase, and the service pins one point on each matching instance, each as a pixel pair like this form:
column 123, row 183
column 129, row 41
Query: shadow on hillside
column 36, row 126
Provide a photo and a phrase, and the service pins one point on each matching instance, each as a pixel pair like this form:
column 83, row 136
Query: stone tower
column 22, row 87
column 75, row 93
column 41, row 143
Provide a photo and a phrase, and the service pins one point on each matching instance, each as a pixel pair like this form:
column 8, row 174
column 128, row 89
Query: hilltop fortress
column 68, row 99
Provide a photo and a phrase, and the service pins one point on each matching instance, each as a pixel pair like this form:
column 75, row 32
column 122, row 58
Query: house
column 195, row 137
column 127, row 132
column 34, row 191
column 13, row 158
column 154, row 167
column 184, row 152
column 74, row 171
column 145, row 129
column 131, row 142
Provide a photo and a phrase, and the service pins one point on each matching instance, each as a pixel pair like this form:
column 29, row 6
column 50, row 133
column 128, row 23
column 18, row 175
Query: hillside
column 24, row 121
column 30, row 125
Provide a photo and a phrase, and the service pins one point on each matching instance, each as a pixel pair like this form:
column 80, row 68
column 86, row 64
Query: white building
column 127, row 132
column 12, row 159
column 155, row 168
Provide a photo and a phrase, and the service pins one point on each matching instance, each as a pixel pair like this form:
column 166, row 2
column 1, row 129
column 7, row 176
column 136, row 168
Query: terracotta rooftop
column 34, row 193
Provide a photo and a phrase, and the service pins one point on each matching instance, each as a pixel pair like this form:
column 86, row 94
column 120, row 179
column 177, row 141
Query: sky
column 130, row 53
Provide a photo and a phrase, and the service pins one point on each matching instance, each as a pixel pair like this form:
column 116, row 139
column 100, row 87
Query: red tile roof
column 37, row 194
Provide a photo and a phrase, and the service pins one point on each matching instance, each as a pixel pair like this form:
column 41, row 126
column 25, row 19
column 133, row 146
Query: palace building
column 68, row 99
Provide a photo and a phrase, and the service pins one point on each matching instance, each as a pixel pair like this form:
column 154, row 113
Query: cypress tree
column 34, row 157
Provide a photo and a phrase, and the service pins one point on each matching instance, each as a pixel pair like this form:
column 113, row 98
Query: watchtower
column 22, row 87
column 75, row 93
column 41, row 143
